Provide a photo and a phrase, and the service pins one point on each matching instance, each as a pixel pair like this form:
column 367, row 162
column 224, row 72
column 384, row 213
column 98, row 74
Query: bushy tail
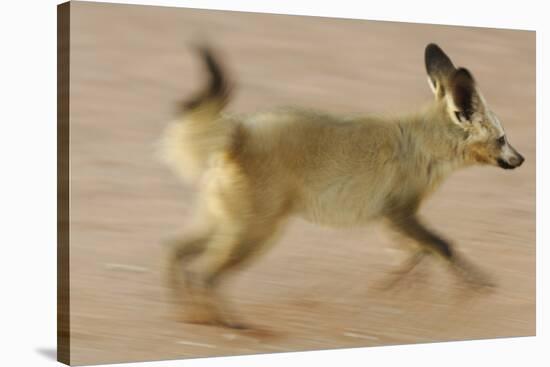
column 194, row 138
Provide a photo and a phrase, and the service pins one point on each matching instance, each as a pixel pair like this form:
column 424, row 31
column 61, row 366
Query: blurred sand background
column 317, row 288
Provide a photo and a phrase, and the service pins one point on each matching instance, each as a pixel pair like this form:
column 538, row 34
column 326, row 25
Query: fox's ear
column 439, row 68
column 463, row 95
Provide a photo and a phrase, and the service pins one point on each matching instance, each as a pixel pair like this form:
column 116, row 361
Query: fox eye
column 501, row 140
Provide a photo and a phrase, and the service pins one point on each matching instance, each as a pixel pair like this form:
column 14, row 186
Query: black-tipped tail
column 218, row 88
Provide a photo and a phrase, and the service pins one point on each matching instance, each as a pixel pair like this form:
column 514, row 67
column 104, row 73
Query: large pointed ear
column 463, row 95
column 439, row 68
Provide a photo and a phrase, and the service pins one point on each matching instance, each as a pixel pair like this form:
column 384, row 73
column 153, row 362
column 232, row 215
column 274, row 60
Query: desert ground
column 318, row 287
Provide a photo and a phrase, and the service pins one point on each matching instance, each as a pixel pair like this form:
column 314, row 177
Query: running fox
column 256, row 171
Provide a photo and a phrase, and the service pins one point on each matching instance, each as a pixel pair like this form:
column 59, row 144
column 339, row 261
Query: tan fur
column 255, row 171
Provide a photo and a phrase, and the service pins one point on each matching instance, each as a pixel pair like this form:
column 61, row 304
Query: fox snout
column 511, row 159
column 511, row 163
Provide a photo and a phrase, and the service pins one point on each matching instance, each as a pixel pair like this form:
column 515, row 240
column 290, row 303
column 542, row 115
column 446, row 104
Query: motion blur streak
column 318, row 288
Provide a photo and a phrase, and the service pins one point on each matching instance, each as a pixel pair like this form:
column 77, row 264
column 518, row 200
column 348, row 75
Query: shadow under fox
column 255, row 171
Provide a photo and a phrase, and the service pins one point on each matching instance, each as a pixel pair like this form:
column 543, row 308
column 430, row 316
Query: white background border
column 28, row 182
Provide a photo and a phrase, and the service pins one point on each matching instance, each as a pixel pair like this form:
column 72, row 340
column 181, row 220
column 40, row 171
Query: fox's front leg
column 404, row 269
column 431, row 242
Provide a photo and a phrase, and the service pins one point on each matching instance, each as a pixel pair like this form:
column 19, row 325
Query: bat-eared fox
column 256, row 171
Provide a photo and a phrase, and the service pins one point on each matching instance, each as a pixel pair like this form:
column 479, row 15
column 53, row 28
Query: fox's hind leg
column 243, row 224
column 181, row 251
column 225, row 251
column 430, row 242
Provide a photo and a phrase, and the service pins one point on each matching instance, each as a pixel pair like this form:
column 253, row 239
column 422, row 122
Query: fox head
column 457, row 92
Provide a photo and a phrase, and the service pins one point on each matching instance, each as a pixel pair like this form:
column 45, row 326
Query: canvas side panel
column 63, row 297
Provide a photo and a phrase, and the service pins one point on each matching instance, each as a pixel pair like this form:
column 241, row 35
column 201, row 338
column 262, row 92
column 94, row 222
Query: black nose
column 517, row 160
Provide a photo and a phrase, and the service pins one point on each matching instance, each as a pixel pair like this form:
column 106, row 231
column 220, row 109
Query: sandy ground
column 317, row 288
